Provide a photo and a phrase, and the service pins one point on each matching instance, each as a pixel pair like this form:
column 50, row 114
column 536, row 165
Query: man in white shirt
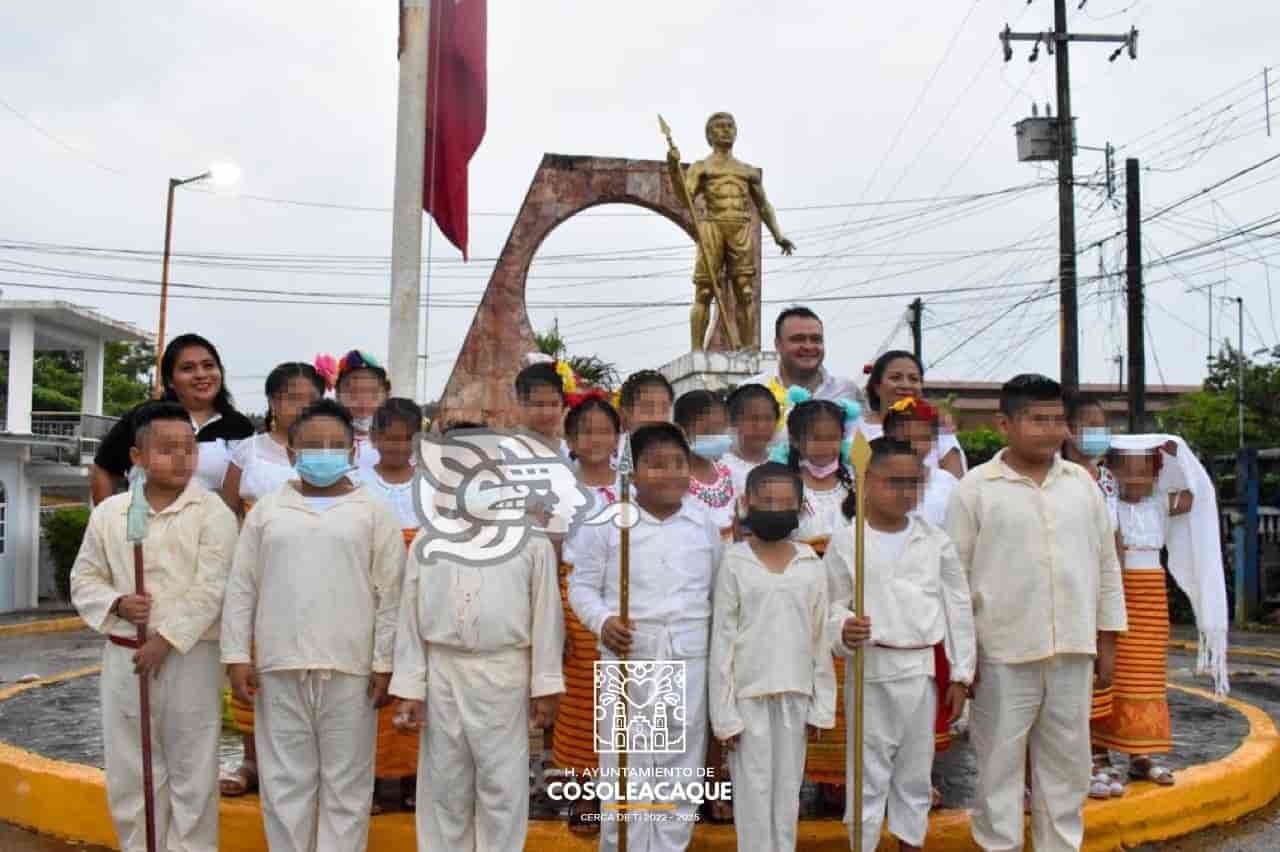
column 482, row 646
column 675, row 549
column 801, row 347
column 1036, row 539
column 190, row 538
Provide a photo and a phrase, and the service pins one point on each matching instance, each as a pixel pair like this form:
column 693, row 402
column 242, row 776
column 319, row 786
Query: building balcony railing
column 68, row 430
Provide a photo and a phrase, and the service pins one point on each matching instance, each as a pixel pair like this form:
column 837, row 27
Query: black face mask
column 772, row 526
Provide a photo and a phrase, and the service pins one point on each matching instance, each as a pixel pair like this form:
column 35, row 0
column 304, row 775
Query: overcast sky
column 842, row 104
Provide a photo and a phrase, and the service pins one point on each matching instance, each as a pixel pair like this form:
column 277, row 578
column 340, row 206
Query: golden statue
column 726, row 185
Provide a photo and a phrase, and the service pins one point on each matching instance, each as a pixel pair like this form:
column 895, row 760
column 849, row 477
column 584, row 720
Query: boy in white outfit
column 916, row 596
column 675, row 549
column 482, row 646
column 314, row 591
column 1038, row 544
column 771, row 677
column 190, row 538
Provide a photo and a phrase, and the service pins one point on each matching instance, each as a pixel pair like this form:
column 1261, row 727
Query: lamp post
column 221, row 174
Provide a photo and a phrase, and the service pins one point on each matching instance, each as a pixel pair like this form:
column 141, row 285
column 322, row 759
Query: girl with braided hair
column 816, row 450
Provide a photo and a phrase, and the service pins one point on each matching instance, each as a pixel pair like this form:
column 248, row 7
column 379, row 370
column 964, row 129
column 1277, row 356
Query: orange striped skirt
column 1139, row 722
column 396, row 752
column 573, row 740
column 824, row 758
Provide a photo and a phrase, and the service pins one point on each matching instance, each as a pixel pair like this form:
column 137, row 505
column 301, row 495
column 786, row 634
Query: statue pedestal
column 716, row 370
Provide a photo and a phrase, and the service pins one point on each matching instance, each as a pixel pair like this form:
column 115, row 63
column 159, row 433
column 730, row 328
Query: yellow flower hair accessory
column 568, row 382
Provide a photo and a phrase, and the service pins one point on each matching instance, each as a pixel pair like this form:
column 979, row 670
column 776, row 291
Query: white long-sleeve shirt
column 673, row 566
column 1041, row 561
column 914, row 601
column 769, row 636
column 186, row 558
column 511, row 605
column 315, row 588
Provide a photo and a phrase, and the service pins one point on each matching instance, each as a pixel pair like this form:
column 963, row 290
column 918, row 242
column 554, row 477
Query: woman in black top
column 193, row 377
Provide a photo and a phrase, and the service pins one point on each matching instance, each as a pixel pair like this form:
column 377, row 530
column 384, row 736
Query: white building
column 43, row 449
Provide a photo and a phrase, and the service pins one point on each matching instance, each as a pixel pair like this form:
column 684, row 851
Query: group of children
column 1001, row 586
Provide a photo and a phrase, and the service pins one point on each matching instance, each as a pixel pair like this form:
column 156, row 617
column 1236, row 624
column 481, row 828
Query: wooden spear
column 860, row 458
column 136, row 531
column 624, row 612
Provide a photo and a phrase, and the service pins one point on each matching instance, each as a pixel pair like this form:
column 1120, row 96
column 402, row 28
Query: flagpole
column 406, row 222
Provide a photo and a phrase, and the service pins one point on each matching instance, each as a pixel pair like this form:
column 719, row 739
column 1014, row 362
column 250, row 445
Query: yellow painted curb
column 44, row 625
column 69, row 801
column 1260, row 653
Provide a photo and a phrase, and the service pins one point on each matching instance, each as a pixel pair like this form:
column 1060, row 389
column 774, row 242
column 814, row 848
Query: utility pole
column 1133, row 284
column 406, row 217
column 916, row 312
column 1057, row 42
column 1240, row 370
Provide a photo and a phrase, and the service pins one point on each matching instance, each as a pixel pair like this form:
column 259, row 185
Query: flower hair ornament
column 356, row 359
column 852, row 411
column 916, row 409
column 780, row 452
column 576, row 398
column 568, row 381
column 326, row 367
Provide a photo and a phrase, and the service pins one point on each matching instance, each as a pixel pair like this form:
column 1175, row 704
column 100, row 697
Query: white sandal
column 1100, row 786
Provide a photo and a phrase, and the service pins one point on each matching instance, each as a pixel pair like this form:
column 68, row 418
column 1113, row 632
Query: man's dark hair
column 770, row 471
column 1027, row 389
column 535, row 375
column 150, row 413
column 324, row 408
column 638, row 381
column 793, row 311
column 655, row 435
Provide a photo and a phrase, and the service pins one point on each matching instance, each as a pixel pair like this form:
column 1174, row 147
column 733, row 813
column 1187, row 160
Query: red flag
column 456, row 105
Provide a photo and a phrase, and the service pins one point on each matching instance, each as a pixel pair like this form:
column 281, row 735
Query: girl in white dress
column 261, row 464
column 393, row 434
column 705, row 420
column 917, row 423
column 816, row 449
column 362, row 386
column 753, row 418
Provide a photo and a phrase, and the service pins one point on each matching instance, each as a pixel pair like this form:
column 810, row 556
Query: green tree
column 58, row 378
column 1208, row 418
column 590, row 368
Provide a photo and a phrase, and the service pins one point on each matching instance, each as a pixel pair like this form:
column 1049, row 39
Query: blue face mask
column 712, row 447
column 322, row 468
column 1094, row 441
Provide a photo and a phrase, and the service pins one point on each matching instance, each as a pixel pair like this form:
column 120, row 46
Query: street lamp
column 221, row 174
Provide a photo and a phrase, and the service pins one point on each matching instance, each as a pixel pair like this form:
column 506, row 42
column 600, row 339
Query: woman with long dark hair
column 898, row 375
column 192, row 376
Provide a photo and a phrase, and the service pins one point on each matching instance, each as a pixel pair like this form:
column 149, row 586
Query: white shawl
column 1194, row 543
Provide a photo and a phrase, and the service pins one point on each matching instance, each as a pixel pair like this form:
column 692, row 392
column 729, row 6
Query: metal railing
column 78, row 431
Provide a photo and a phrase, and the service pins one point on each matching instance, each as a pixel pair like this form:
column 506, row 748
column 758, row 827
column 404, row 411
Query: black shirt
column 113, row 452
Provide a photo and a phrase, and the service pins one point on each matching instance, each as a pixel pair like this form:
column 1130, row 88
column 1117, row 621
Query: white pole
column 406, row 222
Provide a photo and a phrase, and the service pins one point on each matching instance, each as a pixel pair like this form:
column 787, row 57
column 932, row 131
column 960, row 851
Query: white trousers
column 660, row 830
column 767, row 768
column 185, row 721
column 473, row 764
column 897, row 759
column 1044, row 707
column 315, row 732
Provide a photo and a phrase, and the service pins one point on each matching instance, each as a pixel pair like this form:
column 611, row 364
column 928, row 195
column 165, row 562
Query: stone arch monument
column 480, row 386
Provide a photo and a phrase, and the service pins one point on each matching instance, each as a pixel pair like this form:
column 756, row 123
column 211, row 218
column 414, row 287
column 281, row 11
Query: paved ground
column 1254, row 681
